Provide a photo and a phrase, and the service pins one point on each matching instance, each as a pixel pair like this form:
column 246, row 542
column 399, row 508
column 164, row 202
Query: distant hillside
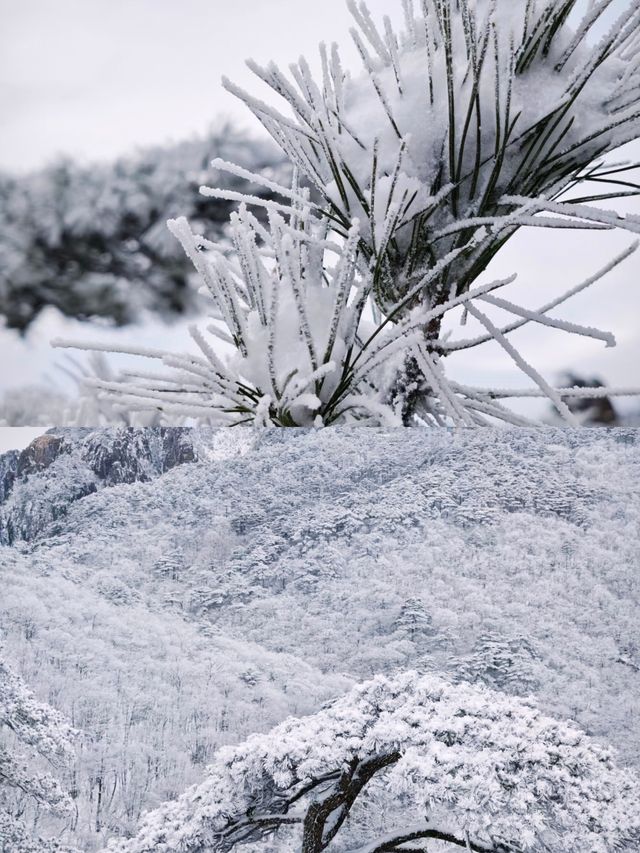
column 39, row 484
column 172, row 615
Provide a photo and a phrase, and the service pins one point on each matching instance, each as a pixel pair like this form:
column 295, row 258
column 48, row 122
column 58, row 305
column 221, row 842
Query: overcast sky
column 16, row 438
column 95, row 78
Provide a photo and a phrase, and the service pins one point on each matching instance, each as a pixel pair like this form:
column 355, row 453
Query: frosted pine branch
column 408, row 179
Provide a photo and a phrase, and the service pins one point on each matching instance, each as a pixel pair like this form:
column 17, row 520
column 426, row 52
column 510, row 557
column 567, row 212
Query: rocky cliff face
column 39, row 454
column 39, row 484
column 136, row 455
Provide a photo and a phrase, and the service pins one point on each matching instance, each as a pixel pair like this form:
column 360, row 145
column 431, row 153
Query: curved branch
column 392, row 843
column 335, row 807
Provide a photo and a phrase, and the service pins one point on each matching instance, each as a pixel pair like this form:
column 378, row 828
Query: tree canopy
column 459, row 764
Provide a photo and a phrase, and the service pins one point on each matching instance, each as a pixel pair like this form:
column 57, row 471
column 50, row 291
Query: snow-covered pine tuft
column 477, row 119
column 306, row 345
column 463, row 765
column 292, row 305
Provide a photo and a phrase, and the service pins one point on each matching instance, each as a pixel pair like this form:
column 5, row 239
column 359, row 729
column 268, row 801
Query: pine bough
column 477, row 119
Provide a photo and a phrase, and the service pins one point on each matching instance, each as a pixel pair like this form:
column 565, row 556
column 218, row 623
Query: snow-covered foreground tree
column 27, row 723
column 476, row 120
column 461, row 765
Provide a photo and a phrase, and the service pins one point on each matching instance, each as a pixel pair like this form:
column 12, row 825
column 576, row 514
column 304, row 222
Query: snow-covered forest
column 173, row 592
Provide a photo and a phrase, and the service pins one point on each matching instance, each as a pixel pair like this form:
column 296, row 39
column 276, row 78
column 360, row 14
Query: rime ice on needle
column 477, row 119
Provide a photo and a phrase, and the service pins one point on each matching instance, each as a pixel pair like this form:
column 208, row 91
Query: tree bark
column 315, row 839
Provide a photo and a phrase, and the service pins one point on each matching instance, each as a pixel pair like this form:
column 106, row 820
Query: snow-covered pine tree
column 461, row 765
column 501, row 662
column 477, row 119
column 414, row 620
column 170, row 565
column 29, row 730
column 92, row 241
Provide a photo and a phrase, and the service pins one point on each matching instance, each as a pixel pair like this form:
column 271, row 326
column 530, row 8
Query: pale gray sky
column 17, row 438
column 94, row 78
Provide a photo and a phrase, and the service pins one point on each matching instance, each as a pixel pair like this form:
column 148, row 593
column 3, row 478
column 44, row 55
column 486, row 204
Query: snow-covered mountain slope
column 172, row 615
column 65, row 465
